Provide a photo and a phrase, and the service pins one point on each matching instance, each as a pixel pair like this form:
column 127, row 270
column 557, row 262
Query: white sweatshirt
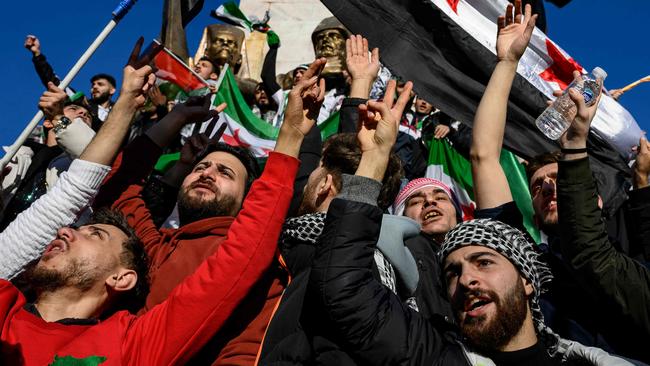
column 27, row 236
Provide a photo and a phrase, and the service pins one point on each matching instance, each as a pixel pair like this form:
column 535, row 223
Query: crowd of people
column 337, row 252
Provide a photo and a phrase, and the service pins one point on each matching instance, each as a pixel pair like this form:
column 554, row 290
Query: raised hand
column 157, row 97
column 138, row 76
column 379, row 121
column 303, row 106
column 362, row 69
column 197, row 109
column 576, row 135
column 33, row 45
column 52, row 101
column 305, row 99
column 514, row 32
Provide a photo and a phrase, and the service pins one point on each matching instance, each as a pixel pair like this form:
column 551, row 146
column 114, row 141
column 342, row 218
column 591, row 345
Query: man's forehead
column 545, row 170
column 471, row 251
column 222, row 157
column 427, row 190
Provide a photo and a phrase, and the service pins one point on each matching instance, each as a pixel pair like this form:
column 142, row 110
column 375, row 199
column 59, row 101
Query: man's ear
column 122, row 280
column 528, row 287
column 48, row 124
column 214, row 76
column 326, row 186
column 111, row 91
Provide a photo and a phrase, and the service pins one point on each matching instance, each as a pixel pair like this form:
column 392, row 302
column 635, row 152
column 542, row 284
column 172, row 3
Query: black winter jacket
column 371, row 323
column 621, row 284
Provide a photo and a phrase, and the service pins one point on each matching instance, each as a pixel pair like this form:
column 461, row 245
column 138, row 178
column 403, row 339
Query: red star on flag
column 468, row 211
column 561, row 70
column 235, row 140
column 454, row 5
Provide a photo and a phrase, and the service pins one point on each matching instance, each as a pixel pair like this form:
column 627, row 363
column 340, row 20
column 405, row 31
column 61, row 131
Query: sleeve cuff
column 360, row 189
column 574, row 171
column 353, row 102
column 91, row 174
column 281, row 169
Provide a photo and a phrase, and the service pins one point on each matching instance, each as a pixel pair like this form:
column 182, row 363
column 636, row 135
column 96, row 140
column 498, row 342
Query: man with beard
column 209, row 198
column 102, row 90
column 563, row 304
column 87, row 274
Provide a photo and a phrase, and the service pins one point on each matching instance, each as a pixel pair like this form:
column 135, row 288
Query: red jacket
column 175, row 253
column 179, row 326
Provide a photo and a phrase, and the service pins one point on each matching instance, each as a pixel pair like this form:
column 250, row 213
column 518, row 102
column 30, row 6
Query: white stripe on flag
column 478, row 18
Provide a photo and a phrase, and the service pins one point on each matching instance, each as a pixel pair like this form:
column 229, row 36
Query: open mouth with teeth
column 431, row 215
column 57, row 246
column 476, row 306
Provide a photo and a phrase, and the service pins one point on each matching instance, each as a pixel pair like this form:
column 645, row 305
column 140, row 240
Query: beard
column 192, row 208
column 74, row 274
column 511, row 311
column 102, row 98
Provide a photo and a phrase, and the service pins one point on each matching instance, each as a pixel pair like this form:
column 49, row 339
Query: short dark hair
column 342, row 154
column 539, row 161
column 133, row 256
column 108, row 78
column 215, row 69
column 242, row 154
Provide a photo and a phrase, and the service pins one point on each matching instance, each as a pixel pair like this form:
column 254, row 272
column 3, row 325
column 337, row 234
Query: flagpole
column 120, row 11
column 632, row 85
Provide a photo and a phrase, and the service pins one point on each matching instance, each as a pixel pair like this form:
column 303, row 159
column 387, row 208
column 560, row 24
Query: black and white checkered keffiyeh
column 514, row 245
column 306, row 228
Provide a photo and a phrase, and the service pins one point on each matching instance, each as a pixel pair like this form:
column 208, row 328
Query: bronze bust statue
column 224, row 44
column 329, row 41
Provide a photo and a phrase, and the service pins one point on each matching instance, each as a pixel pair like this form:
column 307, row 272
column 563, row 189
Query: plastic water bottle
column 558, row 116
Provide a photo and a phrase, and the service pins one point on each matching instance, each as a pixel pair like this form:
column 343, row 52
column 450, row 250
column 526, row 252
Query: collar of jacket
column 212, row 226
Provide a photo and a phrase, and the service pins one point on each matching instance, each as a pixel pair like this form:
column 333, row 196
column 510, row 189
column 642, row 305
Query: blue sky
column 595, row 33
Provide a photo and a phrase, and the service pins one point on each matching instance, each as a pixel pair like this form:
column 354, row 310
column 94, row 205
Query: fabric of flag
column 230, row 13
column 450, row 167
column 189, row 10
column 171, row 69
column 446, row 47
column 243, row 127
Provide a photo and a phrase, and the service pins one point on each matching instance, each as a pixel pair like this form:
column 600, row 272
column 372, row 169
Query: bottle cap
column 599, row 73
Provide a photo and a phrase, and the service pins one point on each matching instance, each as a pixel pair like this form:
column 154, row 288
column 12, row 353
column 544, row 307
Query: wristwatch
column 61, row 124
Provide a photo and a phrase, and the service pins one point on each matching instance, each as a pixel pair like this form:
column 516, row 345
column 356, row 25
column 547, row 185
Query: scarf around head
column 521, row 252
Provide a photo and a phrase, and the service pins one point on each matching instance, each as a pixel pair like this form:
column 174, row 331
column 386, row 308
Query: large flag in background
column 243, row 127
column 446, row 47
column 449, row 166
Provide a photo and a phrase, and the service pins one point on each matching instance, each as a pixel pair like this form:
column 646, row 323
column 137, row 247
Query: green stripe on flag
column 443, row 156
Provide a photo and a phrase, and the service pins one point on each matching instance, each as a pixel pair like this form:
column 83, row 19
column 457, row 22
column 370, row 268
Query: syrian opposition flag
column 230, row 13
column 246, row 129
column 450, row 167
column 447, row 48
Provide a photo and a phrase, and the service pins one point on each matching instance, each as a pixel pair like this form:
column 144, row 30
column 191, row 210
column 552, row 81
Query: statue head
column 224, row 45
column 329, row 41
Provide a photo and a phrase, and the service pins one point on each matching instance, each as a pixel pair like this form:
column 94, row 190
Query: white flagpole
column 120, row 11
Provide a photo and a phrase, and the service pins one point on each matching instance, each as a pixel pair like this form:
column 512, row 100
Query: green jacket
column 622, row 283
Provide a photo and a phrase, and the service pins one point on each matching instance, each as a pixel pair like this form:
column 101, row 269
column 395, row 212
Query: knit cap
column 420, row 183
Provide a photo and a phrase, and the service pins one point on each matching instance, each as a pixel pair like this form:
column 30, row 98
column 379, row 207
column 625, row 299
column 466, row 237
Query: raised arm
column 26, row 237
column 369, row 320
column 203, row 302
column 490, row 184
column 620, row 283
